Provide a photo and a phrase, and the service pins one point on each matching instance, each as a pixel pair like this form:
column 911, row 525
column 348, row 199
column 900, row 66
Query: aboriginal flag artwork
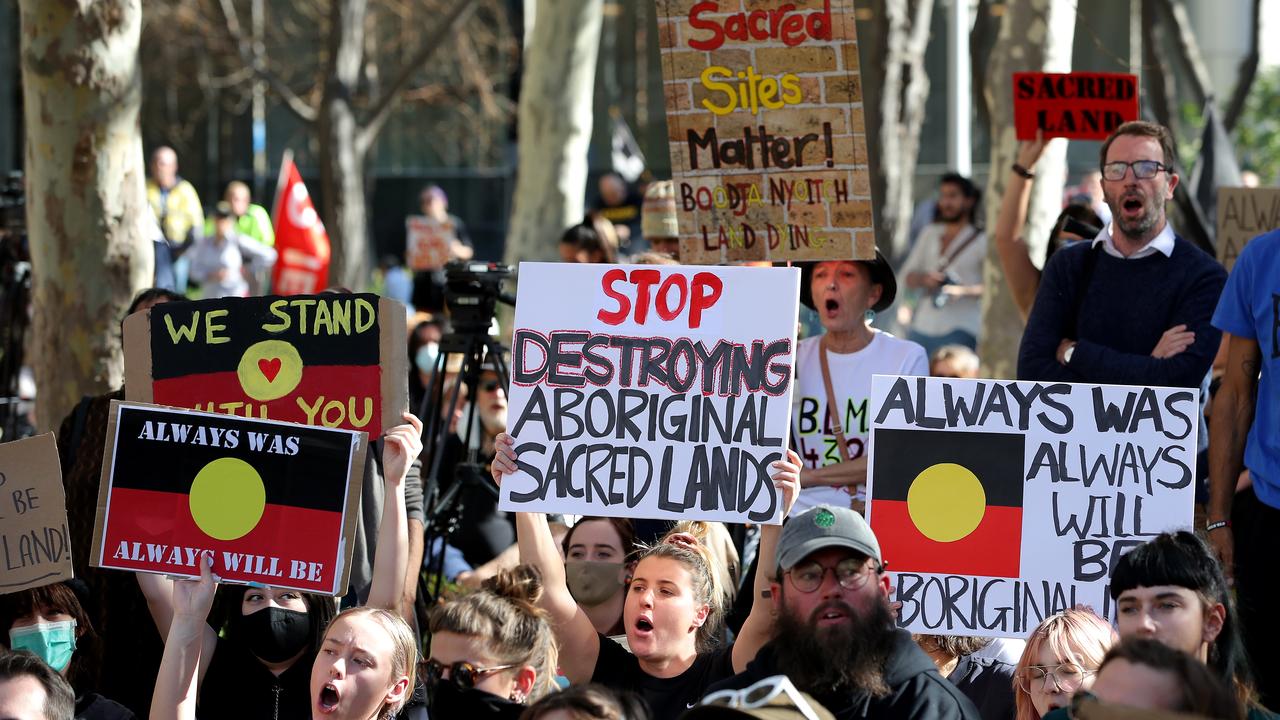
column 273, row 502
column 949, row 501
column 335, row 360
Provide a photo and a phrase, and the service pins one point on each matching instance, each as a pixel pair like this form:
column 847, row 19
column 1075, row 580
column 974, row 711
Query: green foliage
column 1258, row 132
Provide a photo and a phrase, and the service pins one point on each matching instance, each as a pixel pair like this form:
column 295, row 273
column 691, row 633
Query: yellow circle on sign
column 227, row 498
column 269, row 369
column 946, row 502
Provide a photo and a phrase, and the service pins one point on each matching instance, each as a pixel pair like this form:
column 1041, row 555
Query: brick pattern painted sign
column 765, row 120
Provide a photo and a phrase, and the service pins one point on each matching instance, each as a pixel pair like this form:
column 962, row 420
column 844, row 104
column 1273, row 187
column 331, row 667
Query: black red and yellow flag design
column 275, row 503
column 335, row 360
column 948, row 502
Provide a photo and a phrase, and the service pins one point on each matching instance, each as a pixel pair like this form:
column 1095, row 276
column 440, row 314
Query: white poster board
column 999, row 503
column 428, row 242
column 651, row 391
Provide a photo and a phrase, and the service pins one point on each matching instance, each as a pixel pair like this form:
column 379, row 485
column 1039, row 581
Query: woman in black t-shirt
column 670, row 614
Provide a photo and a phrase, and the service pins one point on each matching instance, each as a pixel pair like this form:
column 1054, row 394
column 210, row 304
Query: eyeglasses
column 490, row 385
column 852, row 574
column 776, row 691
column 1142, row 169
column 463, row 674
column 1066, row 677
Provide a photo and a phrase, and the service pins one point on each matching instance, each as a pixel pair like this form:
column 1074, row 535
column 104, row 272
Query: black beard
column 840, row 659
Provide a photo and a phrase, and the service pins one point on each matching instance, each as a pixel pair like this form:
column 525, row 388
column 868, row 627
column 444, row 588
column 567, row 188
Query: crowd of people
column 546, row 617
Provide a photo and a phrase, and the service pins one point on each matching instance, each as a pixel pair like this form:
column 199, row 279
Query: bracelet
column 1217, row 525
column 1022, row 171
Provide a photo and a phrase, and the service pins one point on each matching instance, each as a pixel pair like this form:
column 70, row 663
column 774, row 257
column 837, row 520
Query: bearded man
column 1134, row 306
column 834, row 634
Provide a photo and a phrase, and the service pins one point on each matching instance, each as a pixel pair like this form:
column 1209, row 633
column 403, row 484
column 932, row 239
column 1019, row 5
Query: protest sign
column 765, row 124
column 34, row 542
column 335, row 360
column 651, row 391
column 1000, row 503
column 1243, row 214
column 1078, row 105
column 272, row 502
column 428, row 242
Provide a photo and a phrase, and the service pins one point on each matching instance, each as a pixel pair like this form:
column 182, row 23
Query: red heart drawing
column 270, row 368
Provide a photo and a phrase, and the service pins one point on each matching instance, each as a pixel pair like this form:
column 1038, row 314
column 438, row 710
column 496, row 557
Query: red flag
column 301, row 240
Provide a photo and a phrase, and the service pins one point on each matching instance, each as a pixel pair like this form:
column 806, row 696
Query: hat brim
column 881, row 274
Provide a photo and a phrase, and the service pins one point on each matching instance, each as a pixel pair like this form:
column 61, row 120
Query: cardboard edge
column 393, row 324
column 137, row 358
column 104, row 482
column 355, row 482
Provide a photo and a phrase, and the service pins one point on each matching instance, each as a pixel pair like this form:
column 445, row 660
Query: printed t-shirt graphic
column 948, row 502
column 288, row 359
column 179, row 483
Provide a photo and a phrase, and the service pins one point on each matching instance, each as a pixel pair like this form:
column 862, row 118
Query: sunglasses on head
column 462, row 674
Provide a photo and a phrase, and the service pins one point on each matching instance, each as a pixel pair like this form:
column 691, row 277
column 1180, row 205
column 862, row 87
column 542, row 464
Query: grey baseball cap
column 825, row 526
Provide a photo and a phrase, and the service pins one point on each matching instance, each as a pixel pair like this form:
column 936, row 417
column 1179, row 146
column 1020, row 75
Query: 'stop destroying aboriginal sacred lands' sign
column 651, row 391
column 765, row 120
column 335, row 360
column 1000, row 503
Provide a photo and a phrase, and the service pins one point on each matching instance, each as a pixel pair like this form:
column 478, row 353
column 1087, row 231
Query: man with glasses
column 834, row 635
column 1133, row 306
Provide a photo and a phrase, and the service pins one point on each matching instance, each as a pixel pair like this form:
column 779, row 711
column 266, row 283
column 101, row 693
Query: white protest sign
column 1000, row 503
column 428, row 242
column 651, row 391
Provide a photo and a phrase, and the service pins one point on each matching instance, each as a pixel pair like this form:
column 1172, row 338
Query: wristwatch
column 1066, row 355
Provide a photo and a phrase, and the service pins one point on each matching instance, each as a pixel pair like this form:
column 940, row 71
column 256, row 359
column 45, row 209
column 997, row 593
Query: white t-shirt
column 959, row 313
column 851, row 382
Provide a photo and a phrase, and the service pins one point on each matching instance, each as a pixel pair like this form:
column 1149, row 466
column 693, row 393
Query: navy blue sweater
column 1128, row 305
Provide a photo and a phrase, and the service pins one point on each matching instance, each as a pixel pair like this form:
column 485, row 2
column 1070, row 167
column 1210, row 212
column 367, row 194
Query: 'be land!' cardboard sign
column 651, row 391
column 335, row 360
column 765, row 123
column 273, row 503
column 999, row 503
column 35, row 547
column 1080, row 105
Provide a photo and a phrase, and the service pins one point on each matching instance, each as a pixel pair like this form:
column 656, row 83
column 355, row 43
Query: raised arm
column 579, row 642
column 400, row 448
column 186, row 648
column 160, row 590
column 1015, row 257
column 758, row 627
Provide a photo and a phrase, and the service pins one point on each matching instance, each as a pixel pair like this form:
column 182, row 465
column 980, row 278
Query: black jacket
column 916, row 690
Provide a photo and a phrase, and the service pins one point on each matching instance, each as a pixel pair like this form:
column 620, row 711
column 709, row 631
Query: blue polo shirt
column 1250, row 308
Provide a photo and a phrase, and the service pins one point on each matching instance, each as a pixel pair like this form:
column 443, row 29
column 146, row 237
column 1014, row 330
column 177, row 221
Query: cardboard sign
column 1244, row 214
column 34, row 544
column 334, row 360
column 428, row 242
column 766, row 130
column 999, row 503
column 1078, row 105
column 274, row 503
column 651, row 391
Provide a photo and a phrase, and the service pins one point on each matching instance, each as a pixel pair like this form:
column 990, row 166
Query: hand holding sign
column 193, row 598
column 402, row 444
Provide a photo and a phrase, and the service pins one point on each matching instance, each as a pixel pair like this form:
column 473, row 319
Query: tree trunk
column 1035, row 35
column 86, row 197
column 342, row 157
column 903, row 91
column 554, row 126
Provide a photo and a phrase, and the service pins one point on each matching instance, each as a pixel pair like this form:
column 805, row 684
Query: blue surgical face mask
column 426, row 357
column 53, row 642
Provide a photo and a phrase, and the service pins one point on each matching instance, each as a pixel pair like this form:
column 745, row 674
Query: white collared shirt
column 1162, row 243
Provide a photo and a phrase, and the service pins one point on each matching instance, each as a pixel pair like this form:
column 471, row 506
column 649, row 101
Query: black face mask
column 273, row 634
column 447, row 701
